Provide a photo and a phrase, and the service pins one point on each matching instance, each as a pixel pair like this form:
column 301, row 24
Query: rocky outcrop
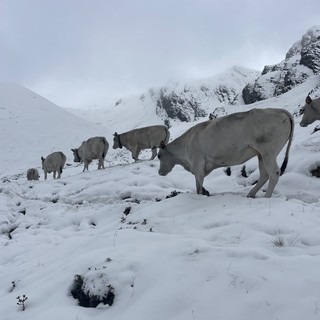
column 302, row 61
column 191, row 101
column 179, row 107
column 90, row 292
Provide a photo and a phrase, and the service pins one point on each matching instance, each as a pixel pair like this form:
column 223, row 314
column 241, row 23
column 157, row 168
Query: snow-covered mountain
column 147, row 245
column 193, row 100
column 302, row 61
column 190, row 101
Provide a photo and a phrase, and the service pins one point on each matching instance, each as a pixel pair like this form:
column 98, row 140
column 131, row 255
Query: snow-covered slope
column 31, row 127
column 162, row 250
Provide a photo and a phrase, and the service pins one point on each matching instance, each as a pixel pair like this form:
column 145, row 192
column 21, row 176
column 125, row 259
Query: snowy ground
column 182, row 257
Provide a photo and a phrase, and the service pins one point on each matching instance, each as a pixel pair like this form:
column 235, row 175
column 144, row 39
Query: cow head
column 167, row 160
column 116, row 141
column 76, row 155
column 310, row 113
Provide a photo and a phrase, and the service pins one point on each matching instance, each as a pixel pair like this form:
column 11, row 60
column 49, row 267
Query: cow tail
column 61, row 167
column 106, row 147
column 286, row 158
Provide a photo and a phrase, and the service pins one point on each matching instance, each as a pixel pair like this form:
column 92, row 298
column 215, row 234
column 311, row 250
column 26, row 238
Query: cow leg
column 54, row 174
column 274, row 174
column 101, row 164
column 154, row 153
column 199, row 184
column 205, row 192
column 45, row 175
column 135, row 154
column 86, row 166
column 262, row 179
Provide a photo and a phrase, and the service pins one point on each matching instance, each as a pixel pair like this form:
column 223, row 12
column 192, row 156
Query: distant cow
column 142, row 138
column 33, row 174
column 54, row 162
column 232, row 140
column 93, row 148
column 310, row 111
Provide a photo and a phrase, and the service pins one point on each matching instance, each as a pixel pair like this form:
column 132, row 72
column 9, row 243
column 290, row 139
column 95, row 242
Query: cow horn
column 162, row 145
column 308, row 100
column 115, row 134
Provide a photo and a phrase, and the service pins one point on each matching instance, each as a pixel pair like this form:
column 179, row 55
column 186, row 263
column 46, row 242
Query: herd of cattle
column 222, row 142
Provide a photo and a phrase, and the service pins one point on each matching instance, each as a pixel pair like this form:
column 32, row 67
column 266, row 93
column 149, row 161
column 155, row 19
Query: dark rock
column 310, row 56
column 174, row 193
column 127, row 210
column 177, row 107
column 88, row 299
column 243, row 172
column 315, row 172
column 228, row 171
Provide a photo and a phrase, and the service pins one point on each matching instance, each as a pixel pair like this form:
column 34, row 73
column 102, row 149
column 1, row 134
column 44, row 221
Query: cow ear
column 162, row 145
column 308, row 100
column 42, row 158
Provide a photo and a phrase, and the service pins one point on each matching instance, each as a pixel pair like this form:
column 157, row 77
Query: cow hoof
column 252, row 196
column 205, row 192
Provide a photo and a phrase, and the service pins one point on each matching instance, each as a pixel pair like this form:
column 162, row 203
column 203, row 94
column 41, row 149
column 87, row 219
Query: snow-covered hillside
column 162, row 250
column 31, row 127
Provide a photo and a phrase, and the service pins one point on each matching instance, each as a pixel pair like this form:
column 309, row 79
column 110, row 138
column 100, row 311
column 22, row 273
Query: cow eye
column 301, row 111
column 159, row 156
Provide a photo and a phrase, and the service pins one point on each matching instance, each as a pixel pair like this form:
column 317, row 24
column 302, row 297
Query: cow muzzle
column 161, row 173
column 302, row 124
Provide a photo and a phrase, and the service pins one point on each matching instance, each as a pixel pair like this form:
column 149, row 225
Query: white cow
column 232, row 140
column 91, row 149
column 54, row 162
column 310, row 111
column 142, row 138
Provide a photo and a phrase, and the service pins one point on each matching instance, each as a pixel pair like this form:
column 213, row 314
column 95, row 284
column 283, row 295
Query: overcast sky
column 82, row 53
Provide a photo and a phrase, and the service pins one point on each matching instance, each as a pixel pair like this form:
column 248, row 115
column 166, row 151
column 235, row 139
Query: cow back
column 225, row 140
column 146, row 137
column 93, row 148
column 54, row 161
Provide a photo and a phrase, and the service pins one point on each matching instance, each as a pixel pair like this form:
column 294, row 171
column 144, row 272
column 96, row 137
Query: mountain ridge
column 301, row 62
column 194, row 100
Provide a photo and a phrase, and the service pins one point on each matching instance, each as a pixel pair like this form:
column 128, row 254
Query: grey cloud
column 87, row 52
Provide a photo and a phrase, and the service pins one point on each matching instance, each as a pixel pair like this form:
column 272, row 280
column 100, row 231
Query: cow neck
column 77, row 153
column 315, row 108
column 119, row 141
column 177, row 149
